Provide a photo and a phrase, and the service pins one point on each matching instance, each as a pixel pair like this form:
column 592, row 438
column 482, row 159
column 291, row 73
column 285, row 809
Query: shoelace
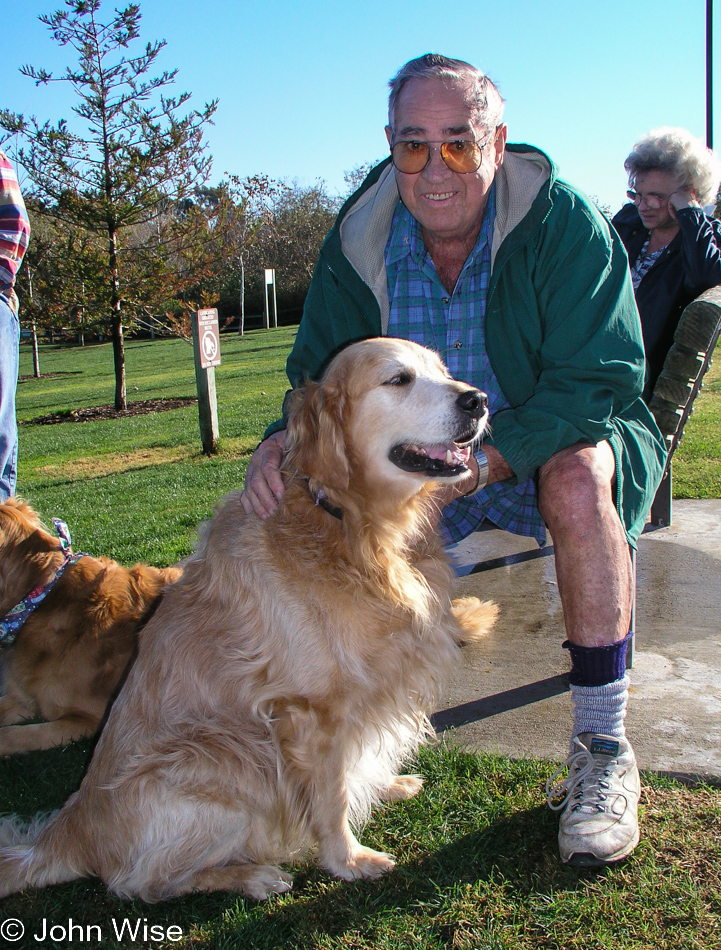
column 585, row 783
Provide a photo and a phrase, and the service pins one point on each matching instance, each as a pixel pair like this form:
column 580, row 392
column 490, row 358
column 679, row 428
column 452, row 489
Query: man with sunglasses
column 476, row 249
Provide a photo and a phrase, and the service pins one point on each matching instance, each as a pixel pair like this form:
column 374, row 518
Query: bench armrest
column 686, row 363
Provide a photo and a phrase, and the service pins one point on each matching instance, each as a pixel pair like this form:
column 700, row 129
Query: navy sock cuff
column 597, row 666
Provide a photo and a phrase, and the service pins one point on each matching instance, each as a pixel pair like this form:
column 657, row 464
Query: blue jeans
column 9, row 365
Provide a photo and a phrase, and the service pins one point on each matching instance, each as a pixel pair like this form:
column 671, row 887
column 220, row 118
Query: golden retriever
column 72, row 650
column 286, row 675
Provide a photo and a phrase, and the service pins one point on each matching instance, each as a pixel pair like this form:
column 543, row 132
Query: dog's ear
column 316, row 446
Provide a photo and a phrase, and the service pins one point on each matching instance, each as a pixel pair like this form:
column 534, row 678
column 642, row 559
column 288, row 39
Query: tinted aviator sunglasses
column 462, row 156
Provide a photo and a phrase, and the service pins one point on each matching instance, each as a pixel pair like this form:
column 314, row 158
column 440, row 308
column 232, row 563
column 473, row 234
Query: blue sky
column 303, row 85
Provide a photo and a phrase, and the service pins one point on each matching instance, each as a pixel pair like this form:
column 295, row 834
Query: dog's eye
column 401, row 379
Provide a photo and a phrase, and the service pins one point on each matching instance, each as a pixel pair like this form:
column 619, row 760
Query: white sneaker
column 599, row 820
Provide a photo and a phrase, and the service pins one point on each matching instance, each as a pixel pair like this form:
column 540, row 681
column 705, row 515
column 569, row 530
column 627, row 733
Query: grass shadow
column 516, row 855
column 31, row 377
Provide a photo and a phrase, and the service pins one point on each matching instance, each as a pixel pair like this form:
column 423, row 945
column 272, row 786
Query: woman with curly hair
column 673, row 246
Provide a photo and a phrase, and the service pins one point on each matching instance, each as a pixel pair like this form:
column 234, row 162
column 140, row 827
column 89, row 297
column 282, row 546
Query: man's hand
column 263, row 482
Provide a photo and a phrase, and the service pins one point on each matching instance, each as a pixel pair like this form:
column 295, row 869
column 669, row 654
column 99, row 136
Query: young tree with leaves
column 134, row 156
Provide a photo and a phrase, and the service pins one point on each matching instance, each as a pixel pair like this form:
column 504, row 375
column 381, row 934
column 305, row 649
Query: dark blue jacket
column 690, row 264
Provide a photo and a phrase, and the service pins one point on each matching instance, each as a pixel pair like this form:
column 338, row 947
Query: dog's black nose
column 473, row 401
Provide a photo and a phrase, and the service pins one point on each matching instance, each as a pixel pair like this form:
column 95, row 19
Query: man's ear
column 389, row 135
column 500, row 143
column 316, row 445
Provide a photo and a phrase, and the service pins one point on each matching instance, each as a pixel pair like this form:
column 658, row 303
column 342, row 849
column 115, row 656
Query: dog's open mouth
column 441, row 461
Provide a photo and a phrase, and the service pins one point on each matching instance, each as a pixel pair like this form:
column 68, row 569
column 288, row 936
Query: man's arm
column 573, row 290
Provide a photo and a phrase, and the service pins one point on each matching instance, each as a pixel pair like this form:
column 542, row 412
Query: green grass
column 477, row 857
column 697, row 461
column 477, row 868
column 136, row 488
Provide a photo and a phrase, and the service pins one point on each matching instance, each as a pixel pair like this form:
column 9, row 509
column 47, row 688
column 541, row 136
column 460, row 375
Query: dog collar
column 13, row 620
column 321, row 499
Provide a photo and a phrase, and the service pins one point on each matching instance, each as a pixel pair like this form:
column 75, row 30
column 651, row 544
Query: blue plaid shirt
column 452, row 324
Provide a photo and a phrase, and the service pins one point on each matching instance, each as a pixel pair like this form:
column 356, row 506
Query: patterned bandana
column 12, row 621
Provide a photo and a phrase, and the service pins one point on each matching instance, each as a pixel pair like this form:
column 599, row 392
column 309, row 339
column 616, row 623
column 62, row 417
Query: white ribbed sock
column 600, row 709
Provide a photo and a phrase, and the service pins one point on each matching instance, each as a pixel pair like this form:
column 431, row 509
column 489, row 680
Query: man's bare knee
column 576, row 483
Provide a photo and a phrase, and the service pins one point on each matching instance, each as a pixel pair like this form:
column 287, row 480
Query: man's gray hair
column 686, row 157
column 484, row 99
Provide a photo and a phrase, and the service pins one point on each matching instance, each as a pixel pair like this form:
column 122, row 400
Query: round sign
column 210, row 345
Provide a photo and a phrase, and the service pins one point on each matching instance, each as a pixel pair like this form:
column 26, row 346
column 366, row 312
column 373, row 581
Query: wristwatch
column 482, row 460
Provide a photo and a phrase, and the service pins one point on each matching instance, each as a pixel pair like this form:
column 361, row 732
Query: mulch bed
column 92, row 413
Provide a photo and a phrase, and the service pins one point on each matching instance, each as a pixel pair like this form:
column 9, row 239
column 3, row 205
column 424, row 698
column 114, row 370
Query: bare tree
column 357, row 175
column 291, row 238
column 251, row 201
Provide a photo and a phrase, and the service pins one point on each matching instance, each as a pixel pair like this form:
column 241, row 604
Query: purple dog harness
column 13, row 620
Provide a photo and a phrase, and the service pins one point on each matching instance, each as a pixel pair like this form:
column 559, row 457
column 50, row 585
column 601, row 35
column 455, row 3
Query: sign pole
column 270, row 288
column 206, row 350
column 709, row 73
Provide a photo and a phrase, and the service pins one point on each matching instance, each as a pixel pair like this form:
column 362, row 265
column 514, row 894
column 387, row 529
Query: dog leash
column 13, row 620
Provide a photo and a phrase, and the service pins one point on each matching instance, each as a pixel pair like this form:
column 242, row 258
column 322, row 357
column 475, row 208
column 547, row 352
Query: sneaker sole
column 586, row 859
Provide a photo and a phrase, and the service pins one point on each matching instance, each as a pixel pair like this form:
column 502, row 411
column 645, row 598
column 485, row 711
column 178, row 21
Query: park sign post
column 206, row 348
column 270, row 293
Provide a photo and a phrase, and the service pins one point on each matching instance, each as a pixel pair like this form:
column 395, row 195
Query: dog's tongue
column 451, row 454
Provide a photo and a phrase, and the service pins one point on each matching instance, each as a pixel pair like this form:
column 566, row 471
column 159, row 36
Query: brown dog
column 72, row 650
column 287, row 674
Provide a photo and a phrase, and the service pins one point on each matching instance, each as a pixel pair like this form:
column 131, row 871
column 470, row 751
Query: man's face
column 448, row 205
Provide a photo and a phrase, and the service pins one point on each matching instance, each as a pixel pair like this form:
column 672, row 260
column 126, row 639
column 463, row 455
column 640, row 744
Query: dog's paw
column 364, row 862
column 403, row 787
column 266, row 880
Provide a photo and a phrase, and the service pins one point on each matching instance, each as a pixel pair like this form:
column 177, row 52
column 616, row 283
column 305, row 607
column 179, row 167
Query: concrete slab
column 511, row 693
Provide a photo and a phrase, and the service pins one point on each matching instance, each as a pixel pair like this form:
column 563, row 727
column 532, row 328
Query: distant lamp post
column 709, row 73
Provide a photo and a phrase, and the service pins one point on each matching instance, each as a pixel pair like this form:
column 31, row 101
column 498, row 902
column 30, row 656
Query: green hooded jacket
column 562, row 329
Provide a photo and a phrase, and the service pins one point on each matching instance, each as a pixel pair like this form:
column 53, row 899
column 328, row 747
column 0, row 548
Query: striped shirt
column 14, row 231
column 452, row 324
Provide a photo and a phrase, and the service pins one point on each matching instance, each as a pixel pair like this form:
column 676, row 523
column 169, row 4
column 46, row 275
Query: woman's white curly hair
column 677, row 151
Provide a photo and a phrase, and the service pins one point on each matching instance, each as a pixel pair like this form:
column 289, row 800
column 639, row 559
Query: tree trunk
column 117, row 327
column 119, row 360
column 241, row 322
column 36, row 356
